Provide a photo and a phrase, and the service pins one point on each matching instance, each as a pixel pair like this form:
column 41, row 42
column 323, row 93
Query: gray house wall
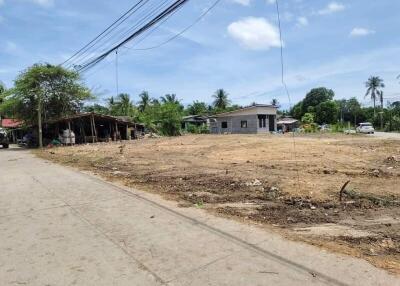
column 234, row 124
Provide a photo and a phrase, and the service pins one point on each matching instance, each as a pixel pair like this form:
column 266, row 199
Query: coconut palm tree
column 374, row 85
column 125, row 105
column 144, row 101
column 221, row 100
column 169, row 98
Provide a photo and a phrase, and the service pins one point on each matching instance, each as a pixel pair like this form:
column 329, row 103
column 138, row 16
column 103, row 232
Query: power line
column 109, row 42
column 169, row 40
column 105, row 31
column 181, row 32
column 154, row 21
column 285, row 87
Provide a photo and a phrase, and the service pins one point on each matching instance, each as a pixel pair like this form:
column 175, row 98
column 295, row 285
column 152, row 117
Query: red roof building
column 11, row 123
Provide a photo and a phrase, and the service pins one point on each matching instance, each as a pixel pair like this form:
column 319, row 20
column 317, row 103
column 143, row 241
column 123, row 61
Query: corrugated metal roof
column 11, row 123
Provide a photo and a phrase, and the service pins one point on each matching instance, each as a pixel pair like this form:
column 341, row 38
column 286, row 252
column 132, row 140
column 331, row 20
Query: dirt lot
column 260, row 179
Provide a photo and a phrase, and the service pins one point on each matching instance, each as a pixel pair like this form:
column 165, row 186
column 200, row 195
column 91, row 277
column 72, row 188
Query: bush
column 202, row 129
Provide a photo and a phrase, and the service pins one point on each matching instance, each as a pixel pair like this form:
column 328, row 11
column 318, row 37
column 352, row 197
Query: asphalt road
column 62, row 227
column 386, row 135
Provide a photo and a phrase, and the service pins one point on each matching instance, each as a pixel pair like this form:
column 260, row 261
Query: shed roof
column 122, row 120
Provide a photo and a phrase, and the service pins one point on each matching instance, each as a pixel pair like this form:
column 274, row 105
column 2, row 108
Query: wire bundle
column 133, row 24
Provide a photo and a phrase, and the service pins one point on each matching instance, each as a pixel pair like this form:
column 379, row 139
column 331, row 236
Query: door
column 271, row 123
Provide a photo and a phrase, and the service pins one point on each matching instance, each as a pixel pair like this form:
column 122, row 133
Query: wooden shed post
column 92, row 128
column 70, row 132
column 128, row 137
column 116, row 130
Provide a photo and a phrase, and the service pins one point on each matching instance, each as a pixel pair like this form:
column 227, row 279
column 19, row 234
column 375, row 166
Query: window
column 262, row 121
column 243, row 124
column 224, row 125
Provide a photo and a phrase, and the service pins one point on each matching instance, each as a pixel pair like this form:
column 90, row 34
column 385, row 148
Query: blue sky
column 337, row 44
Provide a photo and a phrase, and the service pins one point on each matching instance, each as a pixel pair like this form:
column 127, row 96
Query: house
column 287, row 124
column 195, row 120
column 258, row 118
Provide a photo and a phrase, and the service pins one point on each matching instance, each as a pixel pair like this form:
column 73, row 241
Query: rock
column 376, row 173
column 313, row 207
column 272, row 193
column 256, row 182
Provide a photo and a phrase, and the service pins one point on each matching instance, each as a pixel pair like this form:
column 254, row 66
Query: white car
column 365, row 128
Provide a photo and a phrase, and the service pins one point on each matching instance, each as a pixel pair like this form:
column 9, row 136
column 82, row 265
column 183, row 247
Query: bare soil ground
column 260, row 179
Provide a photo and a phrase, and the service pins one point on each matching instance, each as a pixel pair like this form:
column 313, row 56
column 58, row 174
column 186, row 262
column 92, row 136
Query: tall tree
column 144, row 101
column 197, row 108
column 169, row 98
column 315, row 97
column 380, row 96
column 221, row 100
column 374, row 85
column 122, row 106
column 44, row 91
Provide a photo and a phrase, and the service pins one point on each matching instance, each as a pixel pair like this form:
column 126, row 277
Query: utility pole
column 40, row 133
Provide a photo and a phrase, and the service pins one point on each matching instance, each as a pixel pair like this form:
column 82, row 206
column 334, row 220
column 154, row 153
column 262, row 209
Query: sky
column 335, row 44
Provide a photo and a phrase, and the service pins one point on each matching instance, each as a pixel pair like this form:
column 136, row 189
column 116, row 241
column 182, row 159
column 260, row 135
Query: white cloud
column 332, row 8
column 1, row 2
column 255, row 33
column 241, row 2
column 302, row 21
column 271, row 1
column 360, row 32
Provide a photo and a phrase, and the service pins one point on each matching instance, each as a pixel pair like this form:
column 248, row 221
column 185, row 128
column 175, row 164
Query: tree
column 315, row 97
column 144, row 101
column 197, row 108
column 170, row 119
column 97, row 108
column 122, row 106
column 326, row 112
column 307, row 118
column 2, row 92
column 46, row 91
column 380, row 96
column 169, row 98
column 354, row 108
column 221, row 100
column 275, row 102
column 373, row 85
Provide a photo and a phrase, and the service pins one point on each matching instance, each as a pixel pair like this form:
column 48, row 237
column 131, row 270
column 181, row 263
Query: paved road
column 62, row 227
column 386, row 135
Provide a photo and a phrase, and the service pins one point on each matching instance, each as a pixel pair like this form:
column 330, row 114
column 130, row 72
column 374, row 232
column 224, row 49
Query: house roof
column 194, row 118
column 11, row 123
column 121, row 119
column 245, row 108
column 287, row 120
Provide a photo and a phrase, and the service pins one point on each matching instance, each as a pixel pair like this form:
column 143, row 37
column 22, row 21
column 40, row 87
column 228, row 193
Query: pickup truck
column 4, row 138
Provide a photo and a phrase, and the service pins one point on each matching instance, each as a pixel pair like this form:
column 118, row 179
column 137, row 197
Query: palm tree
column 144, row 101
column 373, row 85
column 221, row 100
column 125, row 104
column 169, row 98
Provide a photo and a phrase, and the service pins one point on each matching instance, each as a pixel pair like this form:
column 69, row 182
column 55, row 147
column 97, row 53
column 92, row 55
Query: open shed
column 92, row 127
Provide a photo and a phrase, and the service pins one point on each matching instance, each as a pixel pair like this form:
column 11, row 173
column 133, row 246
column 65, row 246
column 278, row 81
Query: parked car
column 4, row 138
column 365, row 128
